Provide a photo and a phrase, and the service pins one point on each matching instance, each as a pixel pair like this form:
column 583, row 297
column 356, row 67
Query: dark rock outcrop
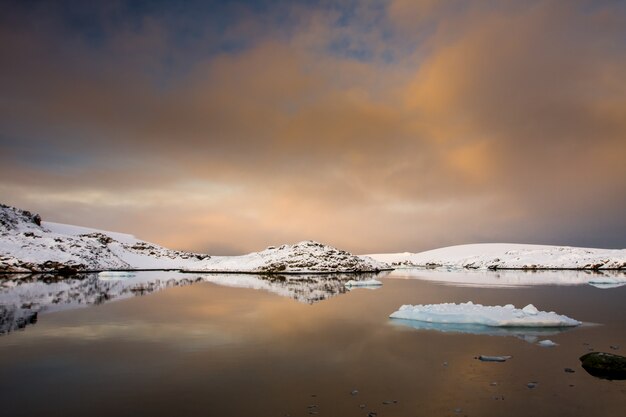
column 604, row 365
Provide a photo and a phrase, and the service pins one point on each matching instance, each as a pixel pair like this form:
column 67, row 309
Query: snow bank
column 496, row 316
column 509, row 256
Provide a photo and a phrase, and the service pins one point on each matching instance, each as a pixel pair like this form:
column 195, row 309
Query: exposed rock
column 604, row 365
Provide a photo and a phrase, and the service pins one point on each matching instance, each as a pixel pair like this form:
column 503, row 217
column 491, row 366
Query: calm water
column 207, row 349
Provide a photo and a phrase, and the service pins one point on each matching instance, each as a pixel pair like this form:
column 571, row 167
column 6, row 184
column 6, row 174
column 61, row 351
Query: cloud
column 396, row 127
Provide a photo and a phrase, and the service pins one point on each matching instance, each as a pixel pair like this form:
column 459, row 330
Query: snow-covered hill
column 509, row 256
column 29, row 245
column 304, row 257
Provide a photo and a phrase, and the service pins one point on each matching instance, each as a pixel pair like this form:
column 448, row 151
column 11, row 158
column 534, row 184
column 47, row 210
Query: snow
column 303, row 257
column 495, row 316
column 509, row 256
column 364, row 283
column 71, row 230
column 29, row 245
column 510, row 278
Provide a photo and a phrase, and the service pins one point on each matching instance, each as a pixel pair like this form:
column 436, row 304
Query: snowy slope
column 509, row 256
column 304, row 257
column 29, row 245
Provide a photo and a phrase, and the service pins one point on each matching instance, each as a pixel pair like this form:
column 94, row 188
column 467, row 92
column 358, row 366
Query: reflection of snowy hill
column 303, row 288
column 22, row 298
column 511, row 278
column 510, row 256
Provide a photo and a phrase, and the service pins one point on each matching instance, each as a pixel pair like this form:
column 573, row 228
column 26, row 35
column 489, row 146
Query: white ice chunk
column 364, row 283
column 469, row 313
column 547, row 343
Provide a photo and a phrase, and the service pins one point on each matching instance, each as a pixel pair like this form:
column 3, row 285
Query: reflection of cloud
column 528, row 334
column 184, row 337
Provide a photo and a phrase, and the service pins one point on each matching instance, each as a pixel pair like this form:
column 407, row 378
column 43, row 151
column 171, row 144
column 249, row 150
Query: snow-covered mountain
column 301, row 258
column 509, row 256
column 28, row 244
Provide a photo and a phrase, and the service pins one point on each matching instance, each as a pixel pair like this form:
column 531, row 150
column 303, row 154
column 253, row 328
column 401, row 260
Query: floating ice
column 486, row 358
column 364, row 283
column 470, row 313
column 115, row 275
column 547, row 343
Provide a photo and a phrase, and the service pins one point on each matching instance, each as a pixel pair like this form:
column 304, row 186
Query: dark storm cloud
column 374, row 126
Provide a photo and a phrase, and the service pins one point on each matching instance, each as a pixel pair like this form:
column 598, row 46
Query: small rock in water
column 614, row 347
column 372, row 414
column 445, row 364
column 531, row 384
column 486, row 358
column 458, row 410
column 362, row 405
column 493, row 384
column 569, row 370
column 387, row 402
column 354, row 392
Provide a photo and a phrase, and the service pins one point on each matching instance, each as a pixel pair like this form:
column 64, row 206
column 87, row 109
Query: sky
column 374, row 126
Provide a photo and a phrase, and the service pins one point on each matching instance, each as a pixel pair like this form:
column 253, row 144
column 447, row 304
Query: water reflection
column 24, row 297
column 513, row 278
column 303, row 288
column 529, row 334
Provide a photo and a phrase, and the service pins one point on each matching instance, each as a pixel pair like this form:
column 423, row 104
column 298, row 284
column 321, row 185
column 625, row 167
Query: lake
column 165, row 343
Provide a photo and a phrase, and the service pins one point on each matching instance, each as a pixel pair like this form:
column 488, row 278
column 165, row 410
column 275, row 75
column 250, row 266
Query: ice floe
column 364, row 283
column 477, row 314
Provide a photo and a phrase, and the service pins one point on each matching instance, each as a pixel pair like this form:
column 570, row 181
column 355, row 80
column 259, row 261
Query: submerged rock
column 604, row 365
